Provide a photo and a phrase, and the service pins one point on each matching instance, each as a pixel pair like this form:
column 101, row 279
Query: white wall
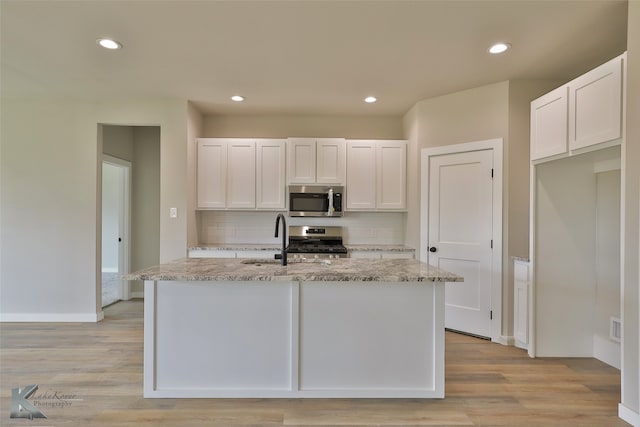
column 566, row 263
column 50, row 191
column 607, row 297
column 631, row 221
column 282, row 126
column 499, row 110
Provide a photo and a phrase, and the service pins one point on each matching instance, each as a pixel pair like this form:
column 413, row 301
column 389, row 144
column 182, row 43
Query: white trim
column 51, row 317
column 532, row 251
column 606, row 351
column 496, row 286
column 629, row 415
column 109, row 270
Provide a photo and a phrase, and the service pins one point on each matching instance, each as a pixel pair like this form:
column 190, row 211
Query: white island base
column 217, row 339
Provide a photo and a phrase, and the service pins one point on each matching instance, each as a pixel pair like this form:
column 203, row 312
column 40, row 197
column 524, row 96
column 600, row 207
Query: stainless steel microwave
column 315, row 200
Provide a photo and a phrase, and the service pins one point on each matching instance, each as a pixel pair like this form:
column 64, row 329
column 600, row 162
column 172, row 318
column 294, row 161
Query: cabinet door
column 211, row 173
column 270, row 171
column 549, row 124
column 241, row 174
column 595, row 105
column 361, row 175
column 302, row 161
column 330, row 161
column 391, row 175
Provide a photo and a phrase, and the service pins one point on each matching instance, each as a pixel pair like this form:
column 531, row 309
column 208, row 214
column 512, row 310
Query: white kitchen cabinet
column 316, row 160
column 211, row 173
column 241, row 174
column 391, row 175
column 376, row 175
column 380, row 254
column 361, row 175
column 330, row 161
column 270, row 174
column 549, row 124
column 582, row 115
column 595, row 105
column 521, row 303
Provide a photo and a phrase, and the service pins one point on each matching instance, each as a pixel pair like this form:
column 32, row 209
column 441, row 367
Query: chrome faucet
column 283, row 254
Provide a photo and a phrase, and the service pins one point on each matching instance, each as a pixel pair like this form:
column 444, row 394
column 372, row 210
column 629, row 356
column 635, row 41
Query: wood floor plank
column 486, row 384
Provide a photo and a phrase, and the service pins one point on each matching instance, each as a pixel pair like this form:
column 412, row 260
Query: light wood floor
column 101, row 364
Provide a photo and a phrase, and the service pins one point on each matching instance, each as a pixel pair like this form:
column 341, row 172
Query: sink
column 261, row 261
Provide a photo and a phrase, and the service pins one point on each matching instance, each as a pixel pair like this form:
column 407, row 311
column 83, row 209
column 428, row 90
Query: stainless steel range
column 315, row 242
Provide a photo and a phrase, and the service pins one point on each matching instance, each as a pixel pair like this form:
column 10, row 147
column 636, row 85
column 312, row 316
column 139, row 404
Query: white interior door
column 115, row 228
column 460, row 235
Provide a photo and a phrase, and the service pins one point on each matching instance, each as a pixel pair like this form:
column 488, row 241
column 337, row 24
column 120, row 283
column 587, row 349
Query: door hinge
column 492, row 173
column 491, row 315
column 491, row 243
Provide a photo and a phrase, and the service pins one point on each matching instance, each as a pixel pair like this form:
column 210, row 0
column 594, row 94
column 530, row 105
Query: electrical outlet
column 173, row 212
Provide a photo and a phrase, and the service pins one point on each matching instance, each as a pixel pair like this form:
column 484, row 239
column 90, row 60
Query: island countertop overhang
column 336, row 270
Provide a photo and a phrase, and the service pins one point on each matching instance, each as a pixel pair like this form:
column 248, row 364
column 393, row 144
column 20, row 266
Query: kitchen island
column 254, row 328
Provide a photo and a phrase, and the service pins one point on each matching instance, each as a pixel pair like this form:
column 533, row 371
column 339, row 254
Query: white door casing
column 461, row 217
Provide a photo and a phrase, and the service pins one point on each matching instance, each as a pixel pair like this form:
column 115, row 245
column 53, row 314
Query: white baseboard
column 629, row 415
column 50, row 317
column 504, row 340
column 110, row 270
column 606, row 351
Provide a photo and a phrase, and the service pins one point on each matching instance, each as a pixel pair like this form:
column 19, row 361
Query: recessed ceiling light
column 370, row 99
column 499, row 48
column 237, row 98
column 109, row 44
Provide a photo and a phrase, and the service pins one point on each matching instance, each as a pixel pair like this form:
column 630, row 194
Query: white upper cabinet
column 330, row 161
column 270, row 174
column 211, row 173
column 549, row 124
column 302, row 160
column 376, row 175
column 316, row 160
column 583, row 115
column 238, row 173
column 391, row 175
column 361, row 175
column 595, row 105
column 241, row 174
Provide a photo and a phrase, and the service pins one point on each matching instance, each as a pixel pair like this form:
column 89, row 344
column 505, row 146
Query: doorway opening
column 130, row 208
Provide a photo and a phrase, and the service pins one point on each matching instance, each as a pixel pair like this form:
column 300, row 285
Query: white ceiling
column 306, row 57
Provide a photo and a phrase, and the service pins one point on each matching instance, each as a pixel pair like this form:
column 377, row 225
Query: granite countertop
column 276, row 247
column 336, row 270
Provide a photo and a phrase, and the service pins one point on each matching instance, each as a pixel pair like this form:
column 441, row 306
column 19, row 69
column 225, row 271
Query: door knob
column 433, row 249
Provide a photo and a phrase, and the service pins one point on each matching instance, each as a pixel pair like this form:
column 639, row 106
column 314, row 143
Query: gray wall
column 50, row 191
